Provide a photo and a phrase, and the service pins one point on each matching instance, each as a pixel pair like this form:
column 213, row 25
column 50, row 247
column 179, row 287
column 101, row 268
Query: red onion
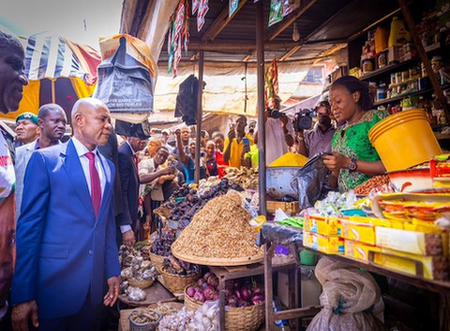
column 198, row 296
column 207, row 275
column 208, row 293
column 229, row 285
column 227, row 293
column 216, row 296
column 257, row 290
column 236, row 285
column 245, row 294
column 213, row 281
column 257, row 299
column 200, row 282
column 197, row 289
column 204, row 285
column 232, row 302
column 237, row 293
column 190, row 291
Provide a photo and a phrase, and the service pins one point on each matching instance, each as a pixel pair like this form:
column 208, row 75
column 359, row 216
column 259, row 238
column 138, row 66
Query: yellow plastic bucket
column 404, row 140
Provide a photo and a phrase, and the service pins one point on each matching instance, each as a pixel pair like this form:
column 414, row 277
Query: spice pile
column 220, row 230
column 182, row 212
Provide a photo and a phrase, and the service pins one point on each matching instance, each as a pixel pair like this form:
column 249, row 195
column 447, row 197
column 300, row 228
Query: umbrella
column 59, row 71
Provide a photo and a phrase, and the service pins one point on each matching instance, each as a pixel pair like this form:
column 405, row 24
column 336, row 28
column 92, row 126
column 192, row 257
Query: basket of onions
column 244, row 300
column 178, row 274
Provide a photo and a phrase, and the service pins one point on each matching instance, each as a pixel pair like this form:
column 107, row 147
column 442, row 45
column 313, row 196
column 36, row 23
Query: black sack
column 311, row 182
column 186, row 106
column 124, row 84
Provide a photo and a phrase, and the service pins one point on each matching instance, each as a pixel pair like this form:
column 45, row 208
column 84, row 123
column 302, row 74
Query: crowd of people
column 75, row 203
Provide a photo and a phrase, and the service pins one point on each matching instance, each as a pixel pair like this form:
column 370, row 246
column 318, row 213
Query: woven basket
column 157, row 260
column 236, row 319
column 177, row 283
column 141, row 283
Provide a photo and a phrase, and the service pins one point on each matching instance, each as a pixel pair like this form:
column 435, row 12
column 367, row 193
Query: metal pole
column 261, row 103
column 199, row 117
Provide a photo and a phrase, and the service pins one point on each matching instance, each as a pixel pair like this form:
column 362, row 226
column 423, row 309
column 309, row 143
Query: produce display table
column 155, row 293
column 230, row 273
column 275, row 234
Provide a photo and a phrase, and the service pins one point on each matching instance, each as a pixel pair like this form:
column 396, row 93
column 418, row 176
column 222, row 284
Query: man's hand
column 113, row 292
column 231, row 134
column 245, row 150
column 22, row 313
column 284, row 121
column 128, row 238
column 168, row 171
column 178, row 133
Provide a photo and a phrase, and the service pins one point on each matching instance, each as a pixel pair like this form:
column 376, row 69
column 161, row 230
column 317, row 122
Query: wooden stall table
column 230, row 273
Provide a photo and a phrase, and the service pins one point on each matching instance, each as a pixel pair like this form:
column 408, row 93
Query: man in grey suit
column 52, row 123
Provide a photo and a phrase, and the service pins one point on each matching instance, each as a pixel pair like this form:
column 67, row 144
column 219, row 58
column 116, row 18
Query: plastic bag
column 186, row 106
column 311, row 182
column 125, row 84
column 350, row 299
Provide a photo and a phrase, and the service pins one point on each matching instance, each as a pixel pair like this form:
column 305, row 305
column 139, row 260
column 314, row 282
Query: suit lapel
column 72, row 165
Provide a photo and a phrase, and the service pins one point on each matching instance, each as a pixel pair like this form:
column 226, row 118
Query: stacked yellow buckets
column 404, row 140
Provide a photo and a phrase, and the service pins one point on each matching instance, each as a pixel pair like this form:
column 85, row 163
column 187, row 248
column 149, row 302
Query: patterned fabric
column 353, row 141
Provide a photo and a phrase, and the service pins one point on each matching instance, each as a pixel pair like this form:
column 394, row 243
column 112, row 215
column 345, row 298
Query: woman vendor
column 354, row 160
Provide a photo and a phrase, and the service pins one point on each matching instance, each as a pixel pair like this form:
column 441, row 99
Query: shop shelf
column 400, row 97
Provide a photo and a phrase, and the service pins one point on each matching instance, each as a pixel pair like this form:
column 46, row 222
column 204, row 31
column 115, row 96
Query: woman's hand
column 336, row 162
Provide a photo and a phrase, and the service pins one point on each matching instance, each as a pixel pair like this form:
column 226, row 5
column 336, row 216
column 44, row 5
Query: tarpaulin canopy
column 58, row 70
column 228, row 85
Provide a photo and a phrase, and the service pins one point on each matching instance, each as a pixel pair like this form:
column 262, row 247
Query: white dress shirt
column 81, row 151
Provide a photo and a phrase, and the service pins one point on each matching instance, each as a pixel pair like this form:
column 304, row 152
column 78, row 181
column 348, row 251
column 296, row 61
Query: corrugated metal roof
column 324, row 24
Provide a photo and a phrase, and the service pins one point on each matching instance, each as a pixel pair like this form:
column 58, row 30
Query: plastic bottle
column 398, row 34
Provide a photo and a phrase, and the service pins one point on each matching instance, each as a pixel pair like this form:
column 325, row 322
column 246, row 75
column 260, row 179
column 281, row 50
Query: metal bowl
column 278, row 182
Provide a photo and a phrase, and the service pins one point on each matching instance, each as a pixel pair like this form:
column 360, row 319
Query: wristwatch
column 352, row 164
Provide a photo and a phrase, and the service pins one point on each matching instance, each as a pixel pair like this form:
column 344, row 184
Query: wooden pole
column 261, row 106
column 199, row 117
column 424, row 57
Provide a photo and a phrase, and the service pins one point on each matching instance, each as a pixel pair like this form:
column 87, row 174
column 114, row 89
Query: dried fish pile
column 220, row 230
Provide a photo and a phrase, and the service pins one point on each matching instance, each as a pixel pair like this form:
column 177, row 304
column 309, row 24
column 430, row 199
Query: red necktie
column 96, row 189
column 136, row 160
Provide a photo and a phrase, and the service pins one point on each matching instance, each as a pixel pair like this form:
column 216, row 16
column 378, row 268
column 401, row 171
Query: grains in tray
column 220, row 230
column 374, row 182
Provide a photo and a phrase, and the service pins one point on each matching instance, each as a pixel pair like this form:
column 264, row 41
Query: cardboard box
column 429, row 267
column 359, row 251
column 362, row 232
column 325, row 244
column 411, row 241
column 327, row 226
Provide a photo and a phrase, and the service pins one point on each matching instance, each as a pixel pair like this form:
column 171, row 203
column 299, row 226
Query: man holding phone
column 235, row 146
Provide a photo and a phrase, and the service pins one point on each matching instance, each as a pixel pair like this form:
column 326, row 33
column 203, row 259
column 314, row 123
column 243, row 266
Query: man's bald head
column 10, row 43
column 91, row 122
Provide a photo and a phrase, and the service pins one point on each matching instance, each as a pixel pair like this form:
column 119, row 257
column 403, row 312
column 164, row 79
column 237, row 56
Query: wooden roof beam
column 221, row 22
column 288, row 21
column 290, row 52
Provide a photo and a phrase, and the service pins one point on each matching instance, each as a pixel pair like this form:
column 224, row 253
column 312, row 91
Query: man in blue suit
column 66, row 231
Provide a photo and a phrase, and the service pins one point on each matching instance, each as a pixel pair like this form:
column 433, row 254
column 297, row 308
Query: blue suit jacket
column 63, row 250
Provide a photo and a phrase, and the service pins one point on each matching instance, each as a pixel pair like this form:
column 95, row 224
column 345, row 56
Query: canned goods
column 367, row 66
column 423, row 69
column 398, row 77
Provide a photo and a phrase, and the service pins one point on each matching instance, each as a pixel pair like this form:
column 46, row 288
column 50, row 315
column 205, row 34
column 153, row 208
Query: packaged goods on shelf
column 362, row 232
column 328, row 245
column 411, row 241
column 434, row 267
column 327, row 226
column 359, row 251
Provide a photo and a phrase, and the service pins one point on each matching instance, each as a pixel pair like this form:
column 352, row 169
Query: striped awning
column 53, row 57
